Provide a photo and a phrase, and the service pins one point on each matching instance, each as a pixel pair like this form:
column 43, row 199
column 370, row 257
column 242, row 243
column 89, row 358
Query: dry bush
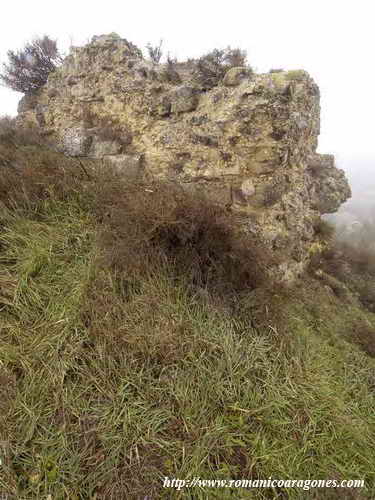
column 342, row 258
column 159, row 225
column 352, row 265
column 363, row 260
column 366, row 292
column 28, row 69
column 155, row 52
column 7, row 129
column 211, row 67
column 171, row 61
column 235, row 57
column 156, row 239
column 364, row 336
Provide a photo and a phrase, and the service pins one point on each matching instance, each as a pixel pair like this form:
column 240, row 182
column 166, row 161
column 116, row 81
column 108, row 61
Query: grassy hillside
column 139, row 340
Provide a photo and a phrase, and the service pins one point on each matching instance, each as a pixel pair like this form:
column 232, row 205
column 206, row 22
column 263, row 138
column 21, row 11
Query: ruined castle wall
column 249, row 142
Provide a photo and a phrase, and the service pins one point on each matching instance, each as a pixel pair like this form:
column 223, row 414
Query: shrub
column 211, row 67
column 28, row 69
column 235, row 57
column 171, row 61
column 155, row 52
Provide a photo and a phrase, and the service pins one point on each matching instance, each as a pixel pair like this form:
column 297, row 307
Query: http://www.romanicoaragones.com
column 304, row 484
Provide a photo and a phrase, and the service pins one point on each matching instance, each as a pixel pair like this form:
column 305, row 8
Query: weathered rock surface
column 249, row 142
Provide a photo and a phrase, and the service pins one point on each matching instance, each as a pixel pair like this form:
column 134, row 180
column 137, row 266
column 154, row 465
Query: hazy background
column 333, row 41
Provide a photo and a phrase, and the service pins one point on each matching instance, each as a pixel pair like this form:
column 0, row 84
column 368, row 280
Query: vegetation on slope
column 139, row 340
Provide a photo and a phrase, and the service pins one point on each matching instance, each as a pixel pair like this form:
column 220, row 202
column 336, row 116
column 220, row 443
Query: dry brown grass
column 12, row 134
column 39, row 175
column 146, row 225
column 363, row 335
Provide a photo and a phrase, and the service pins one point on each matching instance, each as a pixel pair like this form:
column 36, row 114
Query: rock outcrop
column 249, row 142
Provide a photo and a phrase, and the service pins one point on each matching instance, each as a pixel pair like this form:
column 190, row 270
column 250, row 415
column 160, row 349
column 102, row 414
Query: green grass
column 108, row 384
